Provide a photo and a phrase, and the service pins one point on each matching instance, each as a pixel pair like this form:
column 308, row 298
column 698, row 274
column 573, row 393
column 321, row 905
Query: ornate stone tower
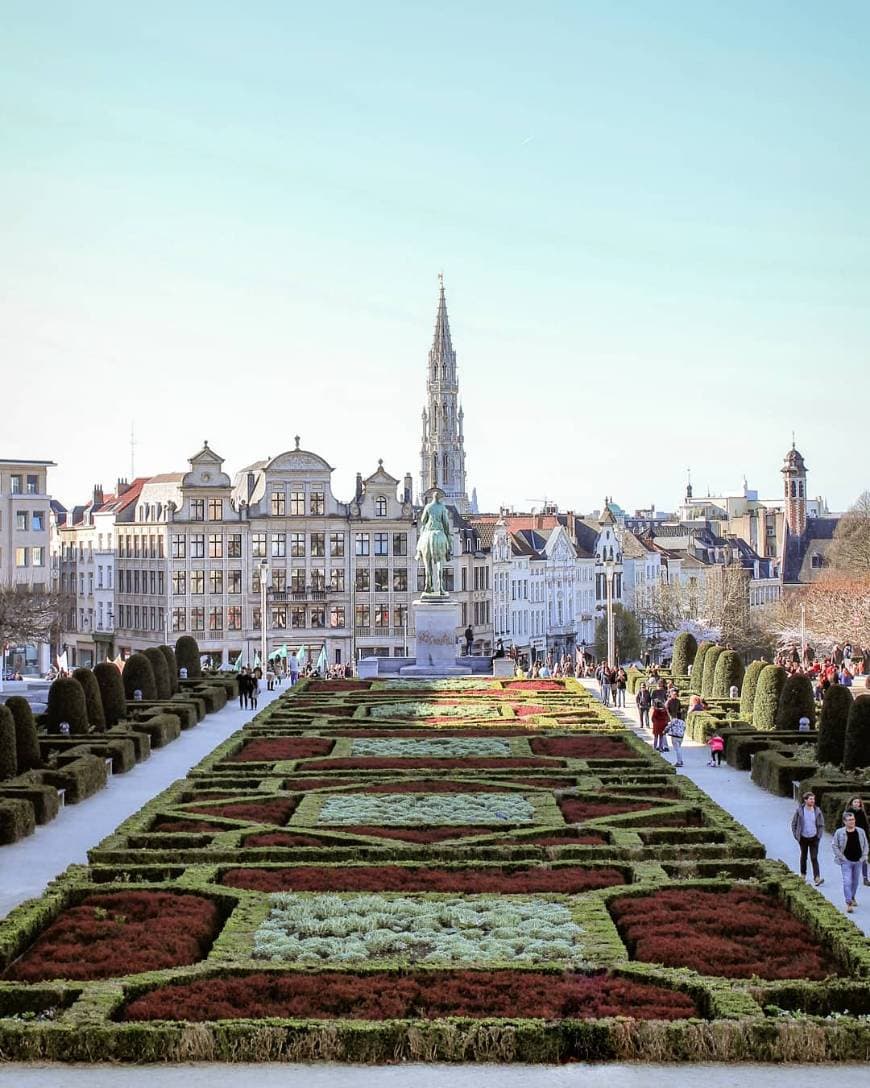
column 442, row 455
column 794, row 473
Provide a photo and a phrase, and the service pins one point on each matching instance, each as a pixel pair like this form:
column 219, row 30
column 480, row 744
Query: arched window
column 444, row 467
column 800, row 489
column 380, row 507
column 793, row 489
column 434, row 469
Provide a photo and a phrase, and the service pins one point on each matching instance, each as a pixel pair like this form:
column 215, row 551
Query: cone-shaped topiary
column 66, row 703
column 93, row 701
column 139, row 676
column 111, row 692
column 728, row 674
column 26, row 737
column 836, row 705
column 685, row 649
column 698, row 666
column 770, row 684
column 856, row 751
column 187, row 656
column 747, row 692
column 161, row 673
column 796, row 702
column 8, row 758
column 710, row 659
column 171, row 666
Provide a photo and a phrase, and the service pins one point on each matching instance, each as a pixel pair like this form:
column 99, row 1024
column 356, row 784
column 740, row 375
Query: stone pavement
column 27, row 866
column 767, row 816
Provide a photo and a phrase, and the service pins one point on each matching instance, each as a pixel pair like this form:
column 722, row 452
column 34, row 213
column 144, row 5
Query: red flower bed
column 277, row 811
column 269, row 749
column 738, row 933
column 494, row 732
column 302, row 784
column 429, row 995
column 395, row 878
column 568, row 837
column 420, row 834
column 176, row 827
column 534, row 685
column 410, row 763
column 121, row 934
column 582, row 747
column 286, row 838
column 326, row 686
column 524, row 710
column 576, row 809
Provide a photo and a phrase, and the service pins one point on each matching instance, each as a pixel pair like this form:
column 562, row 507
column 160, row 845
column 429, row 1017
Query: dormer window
column 380, row 507
column 817, row 561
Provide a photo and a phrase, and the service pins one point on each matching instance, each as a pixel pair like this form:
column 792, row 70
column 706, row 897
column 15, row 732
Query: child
column 717, row 747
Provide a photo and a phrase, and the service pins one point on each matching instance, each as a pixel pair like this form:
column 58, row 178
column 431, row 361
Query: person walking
column 673, row 705
column 849, row 844
column 605, row 684
column 856, row 805
column 717, row 748
column 676, row 730
column 659, row 725
column 469, row 638
column 621, row 685
column 644, row 702
column 807, row 825
column 244, row 688
column 293, row 668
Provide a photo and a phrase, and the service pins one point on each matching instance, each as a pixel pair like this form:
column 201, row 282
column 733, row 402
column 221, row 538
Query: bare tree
column 850, row 551
column 836, row 609
column 30, row 615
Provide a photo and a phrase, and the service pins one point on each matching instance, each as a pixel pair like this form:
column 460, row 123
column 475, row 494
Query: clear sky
column 226, row 221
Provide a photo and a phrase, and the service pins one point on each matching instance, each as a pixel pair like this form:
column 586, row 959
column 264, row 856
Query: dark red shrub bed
column 300, row 785
column 277, row 811
column 575, row 809
column 739, row 933
column 569, row 837
column 524, row 710
column 325, row 686
column 121, row 934
column 495, row 732
column 323, row 708
column 565, row 783
column 374, row 764
column 269, row 749
column 394, row 878
column 534, row 685
column 582, row 747
column 286, row 838
column 176, row 827
column 420, row 834
column 425, row 996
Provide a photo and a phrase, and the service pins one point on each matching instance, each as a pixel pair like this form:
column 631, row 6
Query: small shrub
column 685, row 649
column 111, row 692
column 770, row 685
column 139, row 676
column 8, row 758
column 795, row 702
column 747, row 692
column 710, row 660
column 728, row 674
column 17, row 820
column 93, row 702
column 161, row 673
column 856, row 751
column 836, row 705
column 171, row 667
column 66, row 703
column 26, row 738
column 187, row 656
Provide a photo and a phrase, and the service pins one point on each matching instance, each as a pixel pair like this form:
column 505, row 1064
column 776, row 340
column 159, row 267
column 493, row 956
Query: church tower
column 442, row 455
column 794, row 473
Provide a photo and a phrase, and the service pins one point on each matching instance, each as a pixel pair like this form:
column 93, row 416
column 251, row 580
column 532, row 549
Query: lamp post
column 264, row 573
column 803, row 634
column 611, row 633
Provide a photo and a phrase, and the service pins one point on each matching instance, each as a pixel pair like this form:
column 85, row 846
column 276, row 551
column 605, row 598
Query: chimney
column 121, row 486
column 98, row 495
column 408, row 487
column 539, row 521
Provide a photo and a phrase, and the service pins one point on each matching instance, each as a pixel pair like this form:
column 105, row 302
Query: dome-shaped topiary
column 8, row 758
column 747, row 692
column 111, row 692
column 161, row 673
column 187, row 656
column 93, row 701
column 711, row 657
column 139, row 676
column 697, row 673
column 728, row 674
column 795, row 702
column 685, row 649
column 26, row 736
column 171, row 667
column 770, row 685
column 856, row 751
column 836, row 705
column 66, row 703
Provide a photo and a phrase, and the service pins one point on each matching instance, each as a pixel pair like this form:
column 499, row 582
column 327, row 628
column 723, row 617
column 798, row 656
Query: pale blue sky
column 226, row 221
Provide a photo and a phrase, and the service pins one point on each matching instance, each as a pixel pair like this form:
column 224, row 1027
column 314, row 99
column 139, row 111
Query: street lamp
column 803, row 634
column 609, row 568
column 264, row 574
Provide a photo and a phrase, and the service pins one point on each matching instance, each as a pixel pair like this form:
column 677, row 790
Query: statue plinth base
column 435, row 621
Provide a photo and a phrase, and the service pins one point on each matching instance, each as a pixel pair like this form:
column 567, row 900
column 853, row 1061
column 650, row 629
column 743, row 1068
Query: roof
column 166, row 478
column 797, row 566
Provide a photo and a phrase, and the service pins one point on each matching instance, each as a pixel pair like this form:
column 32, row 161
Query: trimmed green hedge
column 80, row 778
column 66, row 703
column 795, row 702
column 856, row 751
column 697, row 674
column 171, row 667
column 44, row 799
column 139, row 676
column 93, row 701
column 161, row 728
column 17, row 819
column 26, row 740
column 8, row 758
column 711, row 659
column 747, row 692
column 728, row 674
column 834, row 716
column 777, row 771
column 111, row 692
column 161, row 673
column 685, row 649
column 187, row 656
column 770, row 685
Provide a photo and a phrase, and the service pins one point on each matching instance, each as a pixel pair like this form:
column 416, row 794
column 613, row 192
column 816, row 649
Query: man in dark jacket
column 807, row 826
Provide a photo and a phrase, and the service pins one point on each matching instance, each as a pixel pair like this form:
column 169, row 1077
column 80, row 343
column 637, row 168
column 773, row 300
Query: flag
column 323, row 661
column 62, row 663
column 302, row 656
column 256, row 660
column 282, row 653
column 237, row 664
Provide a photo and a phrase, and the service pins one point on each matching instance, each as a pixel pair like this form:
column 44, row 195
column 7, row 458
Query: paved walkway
column 767, row 816
column 27, row 866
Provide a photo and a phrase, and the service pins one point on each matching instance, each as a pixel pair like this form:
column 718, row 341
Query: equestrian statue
column 435, row 544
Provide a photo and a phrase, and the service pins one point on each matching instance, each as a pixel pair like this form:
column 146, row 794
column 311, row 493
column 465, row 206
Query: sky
column 226, row 221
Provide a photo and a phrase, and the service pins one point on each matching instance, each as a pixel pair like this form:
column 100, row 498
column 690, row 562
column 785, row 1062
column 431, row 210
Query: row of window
column 30, row 557
column 134, row 618
column 30, row 521
column 216, row 543
column 26, row 484
column 136, row 546
column 281, row 618
column 279, row 505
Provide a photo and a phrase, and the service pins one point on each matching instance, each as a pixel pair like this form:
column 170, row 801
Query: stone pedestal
column 435, row 620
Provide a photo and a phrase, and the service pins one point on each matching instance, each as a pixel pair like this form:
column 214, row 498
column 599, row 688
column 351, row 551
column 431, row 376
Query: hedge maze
column 476, row 870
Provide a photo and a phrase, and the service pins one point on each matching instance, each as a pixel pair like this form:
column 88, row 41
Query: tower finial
column 297, row 440
column 792, row 440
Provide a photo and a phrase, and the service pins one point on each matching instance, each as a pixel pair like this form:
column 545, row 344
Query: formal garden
column 467, row 870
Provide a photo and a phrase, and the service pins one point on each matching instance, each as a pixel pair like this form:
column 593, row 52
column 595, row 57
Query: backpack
column 677, row 728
